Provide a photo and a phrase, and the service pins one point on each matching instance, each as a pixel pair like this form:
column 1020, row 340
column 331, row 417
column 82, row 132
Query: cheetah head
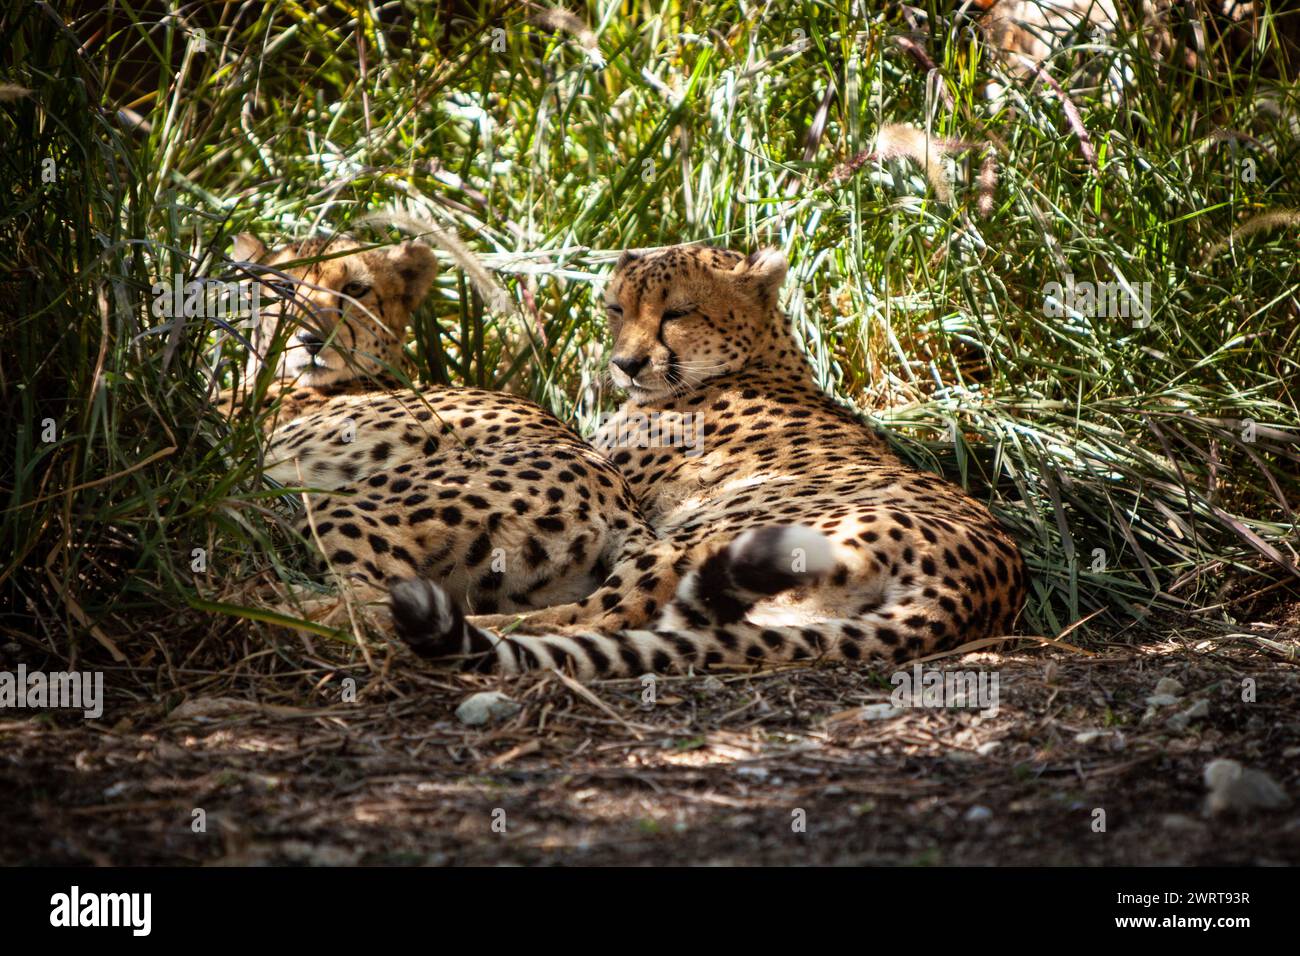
column 682, row 315
column 348, row 310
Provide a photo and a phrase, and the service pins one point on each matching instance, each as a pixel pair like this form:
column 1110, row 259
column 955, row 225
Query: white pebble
column 486, row 706
column 1236, row 788
column 1179, row 721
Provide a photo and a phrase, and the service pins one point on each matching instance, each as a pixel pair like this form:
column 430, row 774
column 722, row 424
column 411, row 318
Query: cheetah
column 488, row 493
column 794, row 533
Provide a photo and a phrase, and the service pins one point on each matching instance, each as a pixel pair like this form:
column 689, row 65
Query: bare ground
column 721, row 769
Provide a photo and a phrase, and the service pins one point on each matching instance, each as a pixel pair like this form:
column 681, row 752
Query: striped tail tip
column 426, row 618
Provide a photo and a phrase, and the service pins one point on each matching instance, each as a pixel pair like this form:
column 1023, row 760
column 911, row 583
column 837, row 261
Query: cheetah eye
column 677, row 314
column 614, row 310
column 356, row 289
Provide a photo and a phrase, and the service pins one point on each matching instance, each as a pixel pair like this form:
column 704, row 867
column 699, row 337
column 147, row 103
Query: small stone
column 1234, row 788
column 978, row 814
column 1161, row 700
column 318, row 854
column 711, row 685
column 486, row 706
column 1180, row 821
column 985, row 749
column 1169, row 686
column 880, row 711
column 1179, row 721
column 1221, row 772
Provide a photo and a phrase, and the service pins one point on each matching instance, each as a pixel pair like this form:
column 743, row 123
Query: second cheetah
column 796, row 534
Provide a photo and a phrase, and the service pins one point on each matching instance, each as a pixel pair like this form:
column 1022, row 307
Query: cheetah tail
column 590, row 654
column 430, row 621
column 759, row 563
column 717, row 595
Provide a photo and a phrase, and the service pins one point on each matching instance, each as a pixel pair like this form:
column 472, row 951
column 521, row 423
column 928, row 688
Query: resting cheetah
column 795, row 534
column 486, row 492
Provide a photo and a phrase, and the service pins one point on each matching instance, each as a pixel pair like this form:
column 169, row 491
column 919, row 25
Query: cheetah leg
column 634, row 592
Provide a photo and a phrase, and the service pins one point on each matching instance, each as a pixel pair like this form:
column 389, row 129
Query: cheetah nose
column 631, row 366
column 312, row 342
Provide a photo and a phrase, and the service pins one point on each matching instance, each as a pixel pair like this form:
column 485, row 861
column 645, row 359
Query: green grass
column 720, row 122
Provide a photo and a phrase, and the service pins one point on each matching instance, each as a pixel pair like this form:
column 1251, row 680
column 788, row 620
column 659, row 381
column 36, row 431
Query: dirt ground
column 808, row 765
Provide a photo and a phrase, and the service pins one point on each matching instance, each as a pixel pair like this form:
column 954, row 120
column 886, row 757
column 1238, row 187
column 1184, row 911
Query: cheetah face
column 682, row 315
column 347, row 312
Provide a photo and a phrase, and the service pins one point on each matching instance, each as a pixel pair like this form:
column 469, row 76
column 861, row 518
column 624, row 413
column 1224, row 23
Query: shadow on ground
column 791, row 767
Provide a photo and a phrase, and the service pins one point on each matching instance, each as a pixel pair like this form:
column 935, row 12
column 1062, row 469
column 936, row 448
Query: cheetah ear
column 626, row 259
column 248, row 248
column 765, row 269
column 417, row 265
